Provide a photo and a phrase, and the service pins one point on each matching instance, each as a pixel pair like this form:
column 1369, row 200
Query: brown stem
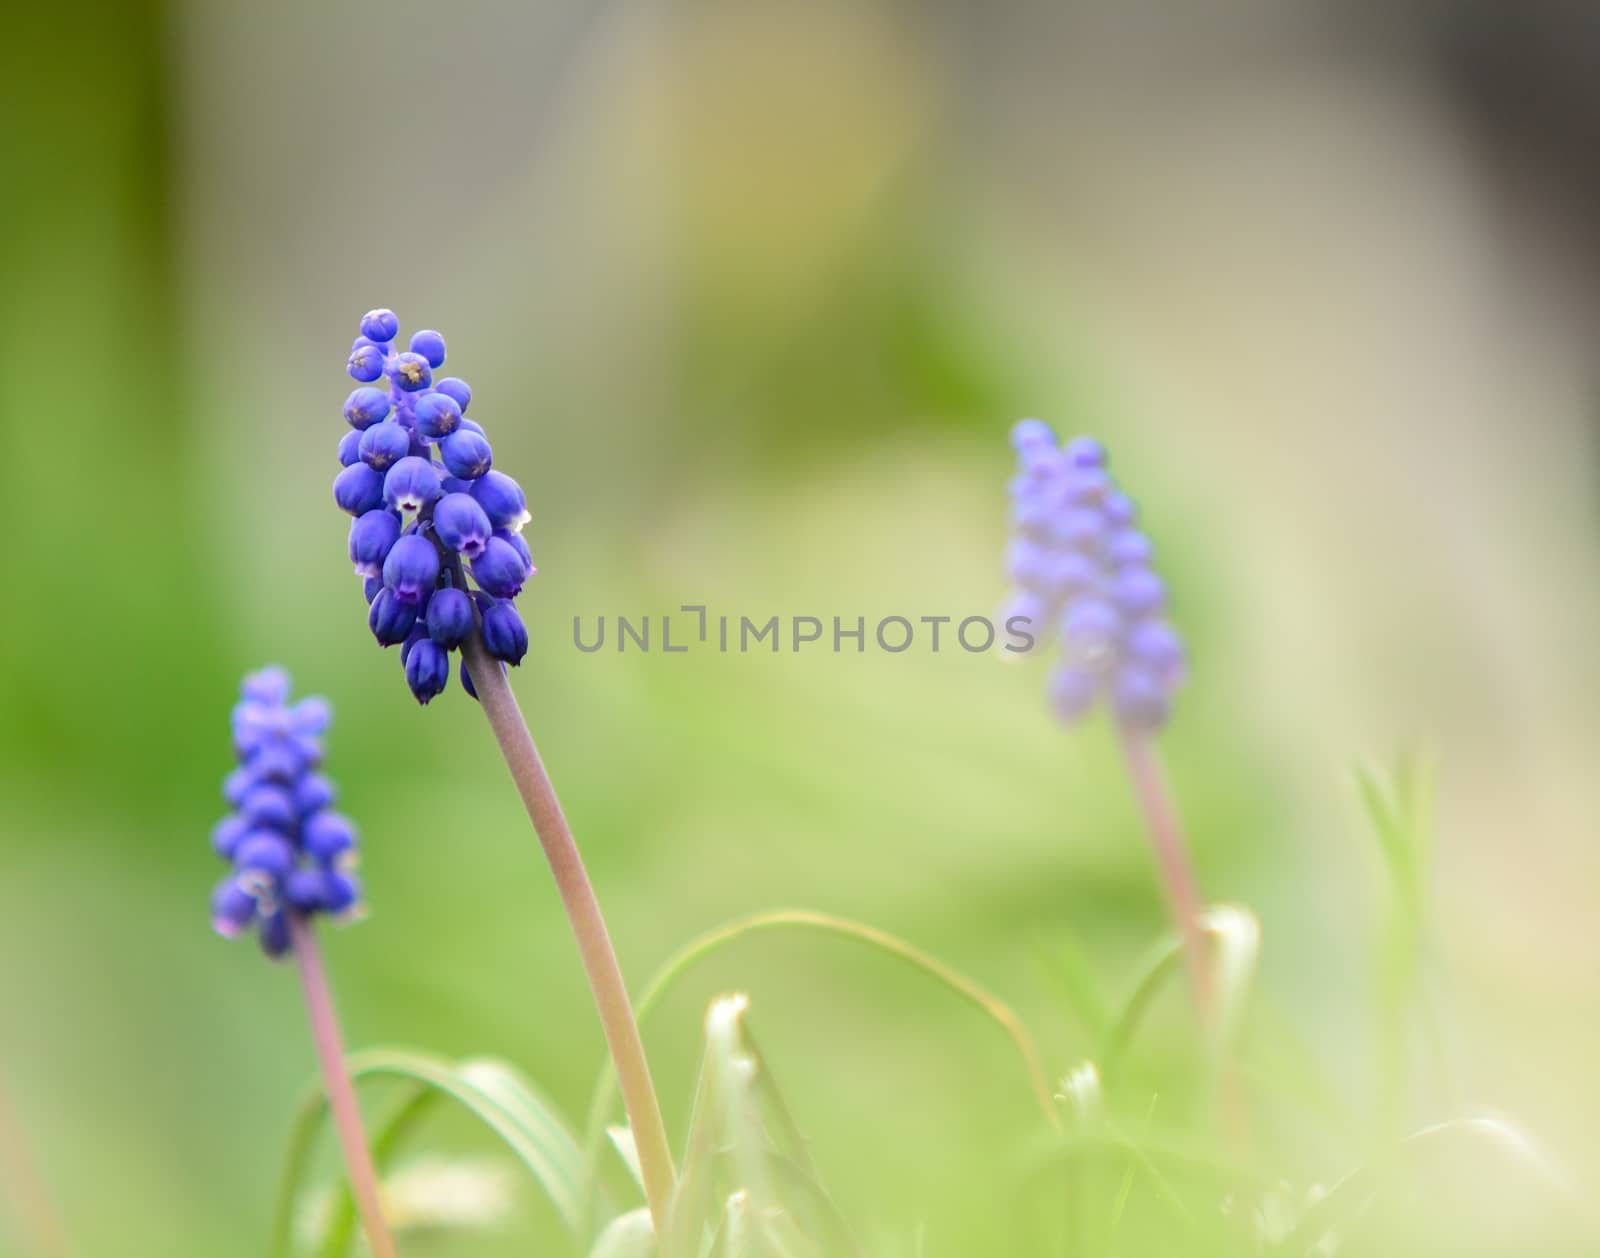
column 1172, row 859
column 588, row 926
column 341, row 1092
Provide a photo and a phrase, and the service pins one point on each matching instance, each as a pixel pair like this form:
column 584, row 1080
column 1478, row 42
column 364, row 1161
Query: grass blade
column 996, row 1010
column 491, row 1091
column 1236, row 936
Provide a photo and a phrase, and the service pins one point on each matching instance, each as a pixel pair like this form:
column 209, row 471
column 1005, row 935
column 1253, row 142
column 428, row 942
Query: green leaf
column 746, row 1184
column 622, row 1140
column 1236, row 951
column 603, row 1100
column 493, row 1092
column 1070, row 971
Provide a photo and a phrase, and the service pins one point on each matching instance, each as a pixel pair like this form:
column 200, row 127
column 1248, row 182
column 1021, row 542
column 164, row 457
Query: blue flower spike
column 287, row 851
column 1083, row 575
column 437, row 530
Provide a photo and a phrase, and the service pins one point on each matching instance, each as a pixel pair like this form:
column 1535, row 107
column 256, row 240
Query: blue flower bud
column 1138, row 592
column 372, row 537
column 381, row 324
column 227, row 834
column 1141, row 700
column 427, row 669
column 1031, row 434
column 328, row 838
column 1119, row 508
column 466, row 679
column 461, row 524
column 341, row 893
column 269, row 807
column 514, row 540
column 1090, row 629
column 499, row 569
column 305, row 890
column 313, row 793
column 358, row 489
column 456, row 388
column 430, row 345
column 365, row 407
column 267, row 686
column 450, row 618
column 371, row 585
column 472, row 425
column 411, row 484
column 412, row 638
column 312, row 715
column 383, row 444
column 410, row 372
column 504, row 635
column 1129, row 547
column 438, row 415
column 275, row 938
column 1073, row 692
column 1155, row 646
column 1068, row 574
column 412, row 569
column 366, row 363
column 238, row 783
column 502, row 500
column 1085, row 452
column 232, row 909
column 264, row 852
column 391, row 619
column 466, row 454
column 350, row 448
column 1083, row 528
column 277, row 762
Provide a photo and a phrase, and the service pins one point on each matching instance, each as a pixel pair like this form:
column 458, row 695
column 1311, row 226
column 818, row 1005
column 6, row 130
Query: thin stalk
column 588, row 926
column 1172, row 859
column 341, row 1093
column 40, row 1226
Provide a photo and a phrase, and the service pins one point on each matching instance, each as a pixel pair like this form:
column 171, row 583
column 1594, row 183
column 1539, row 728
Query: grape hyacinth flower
column 290, row 858
column 432, row 515
column 1083, row 577
column 288, row 852
column 437, row 541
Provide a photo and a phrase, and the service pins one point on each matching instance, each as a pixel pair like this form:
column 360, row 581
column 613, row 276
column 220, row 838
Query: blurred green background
column 748, row 294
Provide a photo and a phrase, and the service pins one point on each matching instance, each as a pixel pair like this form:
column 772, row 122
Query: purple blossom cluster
column 437, row 534
column 1083, row 573
column 289, row 851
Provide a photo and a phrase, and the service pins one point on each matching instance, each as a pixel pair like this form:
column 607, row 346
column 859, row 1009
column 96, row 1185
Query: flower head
column 1082, row 574
column 287, row 850
column 433, row 518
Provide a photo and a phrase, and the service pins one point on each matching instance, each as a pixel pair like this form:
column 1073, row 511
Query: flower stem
column 588, row 926
column 341, row 1093
column 1172, row 859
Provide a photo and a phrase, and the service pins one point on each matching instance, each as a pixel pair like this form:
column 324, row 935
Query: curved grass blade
column 491, row 1091
column 1236, row 949
column 1351, row 1194
column 1000, row 1013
